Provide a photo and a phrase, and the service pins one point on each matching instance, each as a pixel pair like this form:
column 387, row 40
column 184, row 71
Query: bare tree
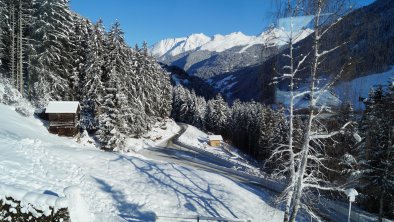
column 290, row 71
column 304, row 165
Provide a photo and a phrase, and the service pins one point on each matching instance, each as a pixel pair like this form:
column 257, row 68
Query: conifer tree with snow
column 376, row 155
column 15, row 15
column 217, row 115
column 3, row 33
column 188, row 107
column 53, row 22
column 93, row 88
column 50, row 53
column 111, row 120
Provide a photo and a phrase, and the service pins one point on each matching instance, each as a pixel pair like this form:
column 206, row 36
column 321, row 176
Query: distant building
column 63, row 117
column 215, row 140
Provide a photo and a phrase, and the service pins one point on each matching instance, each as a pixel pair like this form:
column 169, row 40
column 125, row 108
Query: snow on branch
column 331, row 50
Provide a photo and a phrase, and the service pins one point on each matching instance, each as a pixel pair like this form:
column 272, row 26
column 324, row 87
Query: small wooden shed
column 63, row 117
column 215, row 140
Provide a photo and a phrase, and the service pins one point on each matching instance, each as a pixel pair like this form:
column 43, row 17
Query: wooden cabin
column 215, row 140
column 63, row 117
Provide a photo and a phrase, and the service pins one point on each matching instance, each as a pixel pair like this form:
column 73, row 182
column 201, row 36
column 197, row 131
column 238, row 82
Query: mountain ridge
column 218, row 43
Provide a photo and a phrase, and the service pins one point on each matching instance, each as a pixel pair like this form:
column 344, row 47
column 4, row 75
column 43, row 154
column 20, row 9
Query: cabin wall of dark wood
column 68, row 131
column 64, row 124
column 62, row 117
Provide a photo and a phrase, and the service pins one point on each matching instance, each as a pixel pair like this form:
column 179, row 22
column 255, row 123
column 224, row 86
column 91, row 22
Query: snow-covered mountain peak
column 175, row 46
column 220, row 43
column 235, row 35
column 193, row 42
column 198, row 36
column 165, row 45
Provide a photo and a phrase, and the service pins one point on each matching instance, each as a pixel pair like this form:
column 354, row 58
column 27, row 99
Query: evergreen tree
column 110, row 133
column 51, row 39
column 112, row 109
column 217, row 115
column 3, row 36
column 54, row 54
column 93, row 89
column 377, row 153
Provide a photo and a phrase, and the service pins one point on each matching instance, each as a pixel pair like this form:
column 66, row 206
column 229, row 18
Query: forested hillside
column 50, row 53
column 364, row 38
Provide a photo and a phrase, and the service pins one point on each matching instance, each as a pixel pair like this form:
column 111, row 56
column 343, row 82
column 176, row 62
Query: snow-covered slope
column 351, row 91
column 177, row 46
column 118, row 187
column 345, row 91
column 220, row 43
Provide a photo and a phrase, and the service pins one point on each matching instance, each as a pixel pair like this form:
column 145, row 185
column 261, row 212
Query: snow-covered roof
column 62, row 107
column 215, row 137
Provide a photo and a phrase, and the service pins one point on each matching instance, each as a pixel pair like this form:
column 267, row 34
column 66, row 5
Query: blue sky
column 153, row 20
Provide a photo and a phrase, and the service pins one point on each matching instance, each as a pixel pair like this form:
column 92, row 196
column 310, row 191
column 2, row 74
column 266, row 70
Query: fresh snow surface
column 116, row 187
column 10, row 96
column 215, row 137
column 196, row 138
column 193, row 137
column 177, row 46
column 220, row 43
column 326, row 98
column 360, row 87
column 347, row 91
column 158, row 135
column 62, row 107
column 41, row 202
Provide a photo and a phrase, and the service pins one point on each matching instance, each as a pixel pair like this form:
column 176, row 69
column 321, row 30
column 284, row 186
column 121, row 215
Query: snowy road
column 163, row 183
column 188, row 158
column 184, row 155
column 118, row 187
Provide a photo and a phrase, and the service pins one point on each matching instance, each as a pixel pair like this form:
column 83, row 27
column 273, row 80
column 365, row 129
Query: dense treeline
column 376, row 153
column 50, row 53
column 200, row 86
column 361, row 155
column 253, row 127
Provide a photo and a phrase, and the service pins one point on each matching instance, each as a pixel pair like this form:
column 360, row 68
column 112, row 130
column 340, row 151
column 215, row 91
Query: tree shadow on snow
column 129, row 211
column 187, row 186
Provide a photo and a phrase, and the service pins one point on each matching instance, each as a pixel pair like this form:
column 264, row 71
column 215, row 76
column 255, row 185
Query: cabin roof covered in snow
column 215, row 137
column 62, row 107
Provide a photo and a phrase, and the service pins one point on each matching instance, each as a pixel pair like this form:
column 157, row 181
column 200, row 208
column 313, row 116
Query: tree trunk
column 312, row 104
column 301, row 172
column 289, row 196
column 381, row 204
column 20, row 49
column 13, row 77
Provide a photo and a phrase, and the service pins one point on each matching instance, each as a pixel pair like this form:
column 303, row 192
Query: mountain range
column 218, row 43
column 206, row 57
column 213, row 59
column 241, row 66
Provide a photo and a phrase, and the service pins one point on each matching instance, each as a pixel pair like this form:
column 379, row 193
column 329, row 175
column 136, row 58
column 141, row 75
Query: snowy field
column 196, row 138
column 158, row 135
column 360, row 87
column 348, row 91
column 117, row 187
